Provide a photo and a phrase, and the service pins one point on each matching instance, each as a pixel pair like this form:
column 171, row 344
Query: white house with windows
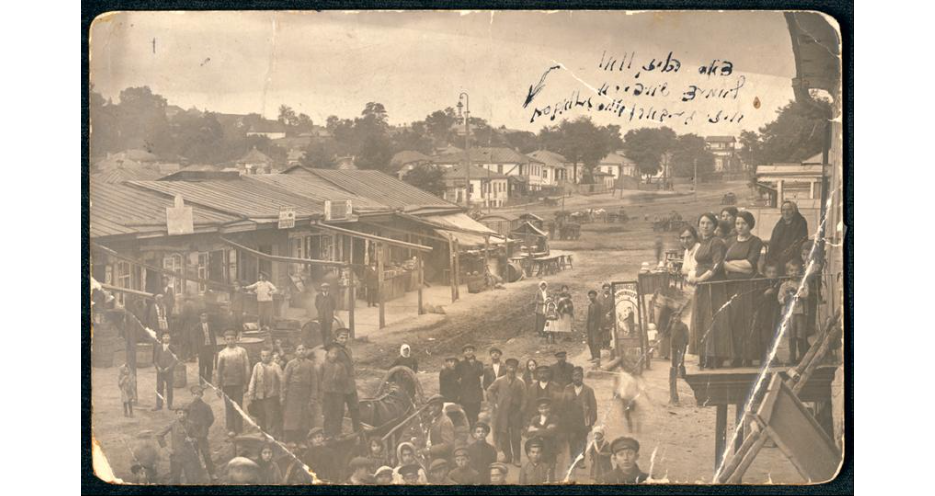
column 487, row 188
column 530, row 174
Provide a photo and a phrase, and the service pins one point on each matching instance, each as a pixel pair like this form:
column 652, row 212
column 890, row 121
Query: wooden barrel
column 144, row 355
column 180, row 375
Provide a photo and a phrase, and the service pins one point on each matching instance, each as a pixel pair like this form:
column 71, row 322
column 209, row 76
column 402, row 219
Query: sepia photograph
column 466, row 248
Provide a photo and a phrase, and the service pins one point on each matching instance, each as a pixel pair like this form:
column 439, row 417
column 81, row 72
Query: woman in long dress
column 741, row 264
column 710, row 331
column 566, row 312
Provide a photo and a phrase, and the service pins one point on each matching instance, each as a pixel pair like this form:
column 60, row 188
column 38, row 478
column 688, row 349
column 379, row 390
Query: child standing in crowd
column 481, row 453
column 463, row 473
column 599, row 455
column 383, row 476
column 126, row 381
column 793, row 292
column 270, row 472
column 183, row 457
column 767, row 309
column 319, row 457
column 535, row 471
column 377, row 455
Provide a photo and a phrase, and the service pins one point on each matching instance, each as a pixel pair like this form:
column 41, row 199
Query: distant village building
column 525, row 173
column 255, row 162
column 271, row 129
column 724, row 149
column 406, row 160
column 555, row 167
column 487, row 188
column 345, row 163
column 294, row 156
column 617, row 164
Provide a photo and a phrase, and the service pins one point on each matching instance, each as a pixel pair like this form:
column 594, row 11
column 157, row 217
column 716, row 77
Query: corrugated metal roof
column 486, row 155
column 549, row 158
column 318, row 190
column 121, row 174
column 245, row 196
column 117, row 209
column 377, row 186
column 457, row 172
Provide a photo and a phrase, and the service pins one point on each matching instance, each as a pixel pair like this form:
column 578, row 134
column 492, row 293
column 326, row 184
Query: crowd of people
column 723, row 264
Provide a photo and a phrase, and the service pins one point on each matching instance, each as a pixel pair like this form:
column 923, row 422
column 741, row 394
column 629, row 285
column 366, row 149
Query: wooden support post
column 457, row 270
column 420, row 279
column 720, row 434
column 381, row 291
column 451, row 269
column 351, row 300
column 738, row 424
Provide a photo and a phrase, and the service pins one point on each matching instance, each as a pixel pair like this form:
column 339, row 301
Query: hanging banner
column 627, row 340
column 286, row 217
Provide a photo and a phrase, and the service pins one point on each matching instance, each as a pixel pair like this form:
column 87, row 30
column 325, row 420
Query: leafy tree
column 320, row 155
column 141, row 120
column 427, row 177
column 524, row 141
column 438, row 125
column 287, row 116
column 647, row 146
column 797, row 134
column 581, row 142
column 375, row 153
column 689, row 149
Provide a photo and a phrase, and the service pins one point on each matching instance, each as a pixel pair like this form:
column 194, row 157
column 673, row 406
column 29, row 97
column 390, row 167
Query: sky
column 414, row 63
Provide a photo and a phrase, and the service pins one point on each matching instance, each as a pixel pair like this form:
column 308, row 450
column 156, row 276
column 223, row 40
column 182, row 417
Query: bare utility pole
column 467, row 145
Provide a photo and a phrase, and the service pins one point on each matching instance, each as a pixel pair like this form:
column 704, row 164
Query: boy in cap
column 505, row 397
column 480, row 453
column 325, row 304
column 441, row 438
column 543, row 387
column 495, row 369
column 360, row 472
column 545, row 425
column 410, row 474
column 264, row 392
column 383, row 476
column 201, row 418
column 319, row 457
column 233, row 378
column 626, row 451
column 535, row 471
column 438, row 473
column 334, row 379
column 463, row 473
column 470, row 394
column 497, row 473
column 448, row 380
column 182, row 455
column 242, row 471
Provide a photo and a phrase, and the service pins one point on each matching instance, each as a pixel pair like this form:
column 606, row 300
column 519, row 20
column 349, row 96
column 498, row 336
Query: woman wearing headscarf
column 566, row 311
column 711, row 339
column 405, row 358
column 741, row 263
column 269, row 470
column 406, row 455
column 788, row 235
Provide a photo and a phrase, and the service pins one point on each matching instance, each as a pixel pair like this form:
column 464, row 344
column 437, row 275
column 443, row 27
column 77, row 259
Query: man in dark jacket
column 325, row 304
column 561, row 370
column 183, row 458
column 580, row 413
column 441, row 430
column 470, row 372
column 205, row 344
column 595, row 327
column 165, row 360
column 495, row 369
column 350, row 394
column 201, row 418
column 626, row 451
column 544, row 387
column 448, row 385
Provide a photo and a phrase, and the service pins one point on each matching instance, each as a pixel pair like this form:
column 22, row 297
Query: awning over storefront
column 467, row 231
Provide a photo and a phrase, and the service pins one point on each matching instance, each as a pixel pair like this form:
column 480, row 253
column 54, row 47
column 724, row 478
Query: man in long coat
column 580, row 413
column 325, row 304
column 299, row 396
column 543, row 387
column 205, row 344
column 470, row 372
column 346, row 357
column 505, row 395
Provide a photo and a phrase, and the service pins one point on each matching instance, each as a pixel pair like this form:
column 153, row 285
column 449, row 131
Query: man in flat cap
column 543, row 387
column 438, row 473
column 546, row 425
column 233, row 378
column 201, row 418
column 346, row 357
column 498, row 473
column 470, row 372
column 183, row 457
column 165, row 360
column 506, row 397
column 561, row 369
column 441, row 430
column 448, row 380
column 325, row 304
column 580, row 414
column 463, row 473
column 626, row 451
column 495, row 369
